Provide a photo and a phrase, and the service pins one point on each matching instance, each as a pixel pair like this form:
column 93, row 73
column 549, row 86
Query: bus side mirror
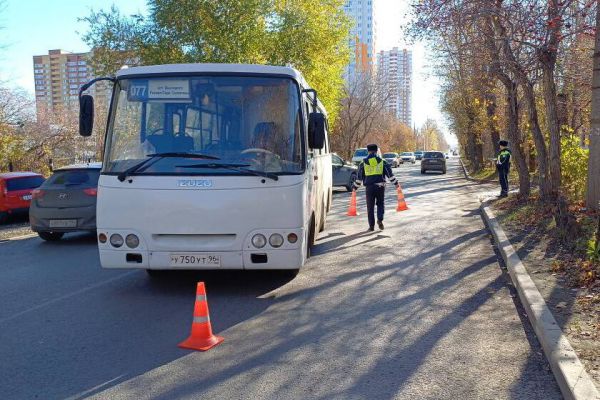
column 316, row 130
column 86, row 115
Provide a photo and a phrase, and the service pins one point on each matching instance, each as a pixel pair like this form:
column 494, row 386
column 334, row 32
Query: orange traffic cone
column 401, row 202
column 201, row 337
column 352, row 209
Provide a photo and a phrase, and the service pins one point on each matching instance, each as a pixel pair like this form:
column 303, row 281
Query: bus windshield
column 248, row 122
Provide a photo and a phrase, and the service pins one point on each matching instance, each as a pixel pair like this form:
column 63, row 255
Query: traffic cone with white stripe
column 352, row 209
column 201, row 337
column 401, row 202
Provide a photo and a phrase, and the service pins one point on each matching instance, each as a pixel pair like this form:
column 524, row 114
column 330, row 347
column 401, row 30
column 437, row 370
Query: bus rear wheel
column 311, row 237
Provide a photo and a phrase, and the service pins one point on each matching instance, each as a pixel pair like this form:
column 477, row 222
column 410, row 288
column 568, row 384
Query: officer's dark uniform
column 503, row 166
column 372, row 173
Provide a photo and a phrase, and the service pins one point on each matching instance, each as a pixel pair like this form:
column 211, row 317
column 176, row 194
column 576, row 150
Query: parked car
column 392, row 158
column 359, row 156
column 419, row 154
column 15, row 192
column 66, row 202
column 344, row 173
column 433, row 161
column 408, row 156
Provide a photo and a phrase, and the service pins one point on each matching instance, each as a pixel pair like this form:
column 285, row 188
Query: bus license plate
column 195, row 260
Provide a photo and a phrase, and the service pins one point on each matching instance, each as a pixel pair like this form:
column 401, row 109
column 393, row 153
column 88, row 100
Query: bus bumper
column 251, row 260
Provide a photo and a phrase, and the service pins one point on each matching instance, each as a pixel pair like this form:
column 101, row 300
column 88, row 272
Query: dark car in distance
column 433, row 161
column 66, row 202
column 15, row 192
column 344, row 173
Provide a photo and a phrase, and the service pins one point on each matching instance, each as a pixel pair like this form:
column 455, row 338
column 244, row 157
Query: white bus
column 211, row 166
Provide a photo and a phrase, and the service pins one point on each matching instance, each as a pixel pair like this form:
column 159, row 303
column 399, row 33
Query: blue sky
column 32, row 27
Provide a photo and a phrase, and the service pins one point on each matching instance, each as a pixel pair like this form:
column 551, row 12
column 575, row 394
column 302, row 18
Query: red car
column 15, row 192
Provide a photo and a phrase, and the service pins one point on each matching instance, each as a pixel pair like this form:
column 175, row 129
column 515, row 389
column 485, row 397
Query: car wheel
column 422, row 172
column 3, row 217
column 351, row 184
column 51, row 236
column 444, row 171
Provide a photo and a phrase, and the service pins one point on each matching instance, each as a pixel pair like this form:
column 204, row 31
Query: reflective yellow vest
column 373, row 168
column 503, row 153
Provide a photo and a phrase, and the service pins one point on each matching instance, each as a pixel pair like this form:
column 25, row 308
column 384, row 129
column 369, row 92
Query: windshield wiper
column 234, row 167
column 155, row 157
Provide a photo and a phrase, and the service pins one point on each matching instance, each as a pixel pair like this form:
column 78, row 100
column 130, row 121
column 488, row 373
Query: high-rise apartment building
column 58, row 76
column 395, row 70
column 363, row 36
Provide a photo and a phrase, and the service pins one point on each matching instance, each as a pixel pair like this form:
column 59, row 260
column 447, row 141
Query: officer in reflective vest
column 372, row 173
column 503, row 166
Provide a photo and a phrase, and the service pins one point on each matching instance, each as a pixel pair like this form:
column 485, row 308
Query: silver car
column 392, row 159
column 66, row 202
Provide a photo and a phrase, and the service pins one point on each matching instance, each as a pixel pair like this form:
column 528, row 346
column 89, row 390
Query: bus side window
column 310, row 152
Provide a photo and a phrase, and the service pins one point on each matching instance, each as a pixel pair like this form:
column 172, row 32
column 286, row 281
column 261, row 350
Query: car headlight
column 259, row 241
column 132, row 241
column 116, row 240
column 276, row 240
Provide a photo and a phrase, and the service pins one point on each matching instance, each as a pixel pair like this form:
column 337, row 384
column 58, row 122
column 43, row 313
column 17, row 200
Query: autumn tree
column 593, row 176
column 311, row 35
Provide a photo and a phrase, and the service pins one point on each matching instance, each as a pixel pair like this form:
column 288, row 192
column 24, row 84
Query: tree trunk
column 593, row 178
column 538, row 139
column 549, row 88
column 491, row 113
column 512, row 111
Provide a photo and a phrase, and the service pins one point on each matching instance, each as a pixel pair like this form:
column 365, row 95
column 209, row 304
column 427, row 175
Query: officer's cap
column 503, row 143
column 372, row 147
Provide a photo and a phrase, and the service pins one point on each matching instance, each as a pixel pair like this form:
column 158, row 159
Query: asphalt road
column 421, row 310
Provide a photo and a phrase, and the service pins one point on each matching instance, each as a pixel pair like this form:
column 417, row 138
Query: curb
column 570, row 374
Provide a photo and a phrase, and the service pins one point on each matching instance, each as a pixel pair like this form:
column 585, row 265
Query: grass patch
column 535, row 221
column 485, row 174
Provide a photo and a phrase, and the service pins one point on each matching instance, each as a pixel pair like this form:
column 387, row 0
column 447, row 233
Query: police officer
column 372, row 173
column 503, row 166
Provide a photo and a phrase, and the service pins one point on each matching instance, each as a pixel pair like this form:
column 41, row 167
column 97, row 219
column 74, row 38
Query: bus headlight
column 259, row 241
column 132, row 241
column 102, row 238
column 116, row 240
column 276, row 240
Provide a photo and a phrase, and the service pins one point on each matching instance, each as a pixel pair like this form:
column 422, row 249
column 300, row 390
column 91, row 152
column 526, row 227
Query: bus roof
column 213, row 68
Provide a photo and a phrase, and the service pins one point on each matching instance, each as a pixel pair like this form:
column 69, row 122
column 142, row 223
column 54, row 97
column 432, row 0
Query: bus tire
column 323, row 221
column 311, row 237
column 156, row 273
column 289, row 273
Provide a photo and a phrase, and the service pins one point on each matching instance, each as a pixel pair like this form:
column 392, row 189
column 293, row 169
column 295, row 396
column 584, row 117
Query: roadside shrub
column 574, row 161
